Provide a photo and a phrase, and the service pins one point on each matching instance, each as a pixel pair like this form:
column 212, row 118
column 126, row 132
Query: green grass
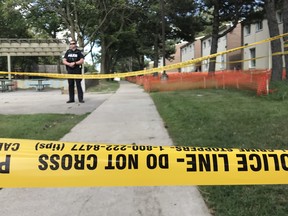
column 230, row 118
column 279, row 89
column 38, row 126
column 105, row 86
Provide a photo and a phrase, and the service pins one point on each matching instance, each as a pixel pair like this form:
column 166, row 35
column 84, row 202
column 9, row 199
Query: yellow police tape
column 143, row 72
column 39, row 163
column 245, row 60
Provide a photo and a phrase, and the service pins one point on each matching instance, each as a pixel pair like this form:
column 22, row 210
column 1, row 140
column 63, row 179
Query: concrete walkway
column 128, row 116
column 48, row 101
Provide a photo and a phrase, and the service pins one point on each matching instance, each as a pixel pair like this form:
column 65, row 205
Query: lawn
column 38, row 126
column 47, row 126
column 230, row 118
column 105, row 86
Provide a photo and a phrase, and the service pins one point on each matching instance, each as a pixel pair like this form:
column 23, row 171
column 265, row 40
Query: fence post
column 237, row 83
column 267, row 83
column 223, row 80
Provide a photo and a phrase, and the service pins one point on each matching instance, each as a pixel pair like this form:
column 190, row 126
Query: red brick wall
column 233, row 41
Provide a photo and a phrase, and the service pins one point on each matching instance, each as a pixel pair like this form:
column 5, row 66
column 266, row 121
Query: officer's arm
column 80, row 62
column 70, row 64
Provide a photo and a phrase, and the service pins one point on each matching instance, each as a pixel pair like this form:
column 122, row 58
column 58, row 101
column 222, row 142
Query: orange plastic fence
column 256, row 80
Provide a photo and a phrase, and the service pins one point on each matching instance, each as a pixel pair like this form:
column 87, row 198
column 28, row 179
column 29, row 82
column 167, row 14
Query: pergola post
column 9, row 65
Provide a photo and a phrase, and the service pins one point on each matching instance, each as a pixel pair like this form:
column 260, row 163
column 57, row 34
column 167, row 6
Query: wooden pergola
column 31, row 47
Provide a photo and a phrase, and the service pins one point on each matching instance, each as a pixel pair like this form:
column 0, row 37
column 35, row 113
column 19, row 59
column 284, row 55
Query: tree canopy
column 128, row 31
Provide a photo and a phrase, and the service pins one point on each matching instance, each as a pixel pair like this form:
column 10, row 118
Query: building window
column 204, row 45
column 252, row 58
column 222, row 62
column 259, row 26
column 247, row 30
column 206, row 65
column 279, row 17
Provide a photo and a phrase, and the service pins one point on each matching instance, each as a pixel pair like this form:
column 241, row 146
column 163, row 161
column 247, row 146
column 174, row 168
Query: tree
column 285, row 30
column 277, row 63
column 219, row 12
column 173, row 21
column 12, row 25
column 51, row 16
column 110, row 34
column 83, row 19
column 45, row 22
column 185, row 19
column 142, row 30
column 110, row 24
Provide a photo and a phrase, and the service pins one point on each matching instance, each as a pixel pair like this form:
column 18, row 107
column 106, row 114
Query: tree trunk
column 214, row 48
column 285, row 30
column 103, row 56
column 156, row 53
column 277, row 62
column 106, row 57
column 141, row 62
column 214, row 42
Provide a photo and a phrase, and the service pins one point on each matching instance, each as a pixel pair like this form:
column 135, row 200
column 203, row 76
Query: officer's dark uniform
column 73, row 56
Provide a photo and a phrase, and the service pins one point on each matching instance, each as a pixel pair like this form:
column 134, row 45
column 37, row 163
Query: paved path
column 129, row 116
column 50, row 101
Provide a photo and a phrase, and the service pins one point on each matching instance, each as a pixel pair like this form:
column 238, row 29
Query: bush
column 278, row 90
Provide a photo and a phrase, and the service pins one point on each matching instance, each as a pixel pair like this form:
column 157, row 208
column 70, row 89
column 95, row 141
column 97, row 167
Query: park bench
column 40, row 87
column 6, row 85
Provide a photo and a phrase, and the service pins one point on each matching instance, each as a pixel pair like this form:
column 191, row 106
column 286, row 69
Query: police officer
column 73, row 59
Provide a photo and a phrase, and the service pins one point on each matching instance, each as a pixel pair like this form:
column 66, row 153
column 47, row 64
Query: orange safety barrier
column 256, row 80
